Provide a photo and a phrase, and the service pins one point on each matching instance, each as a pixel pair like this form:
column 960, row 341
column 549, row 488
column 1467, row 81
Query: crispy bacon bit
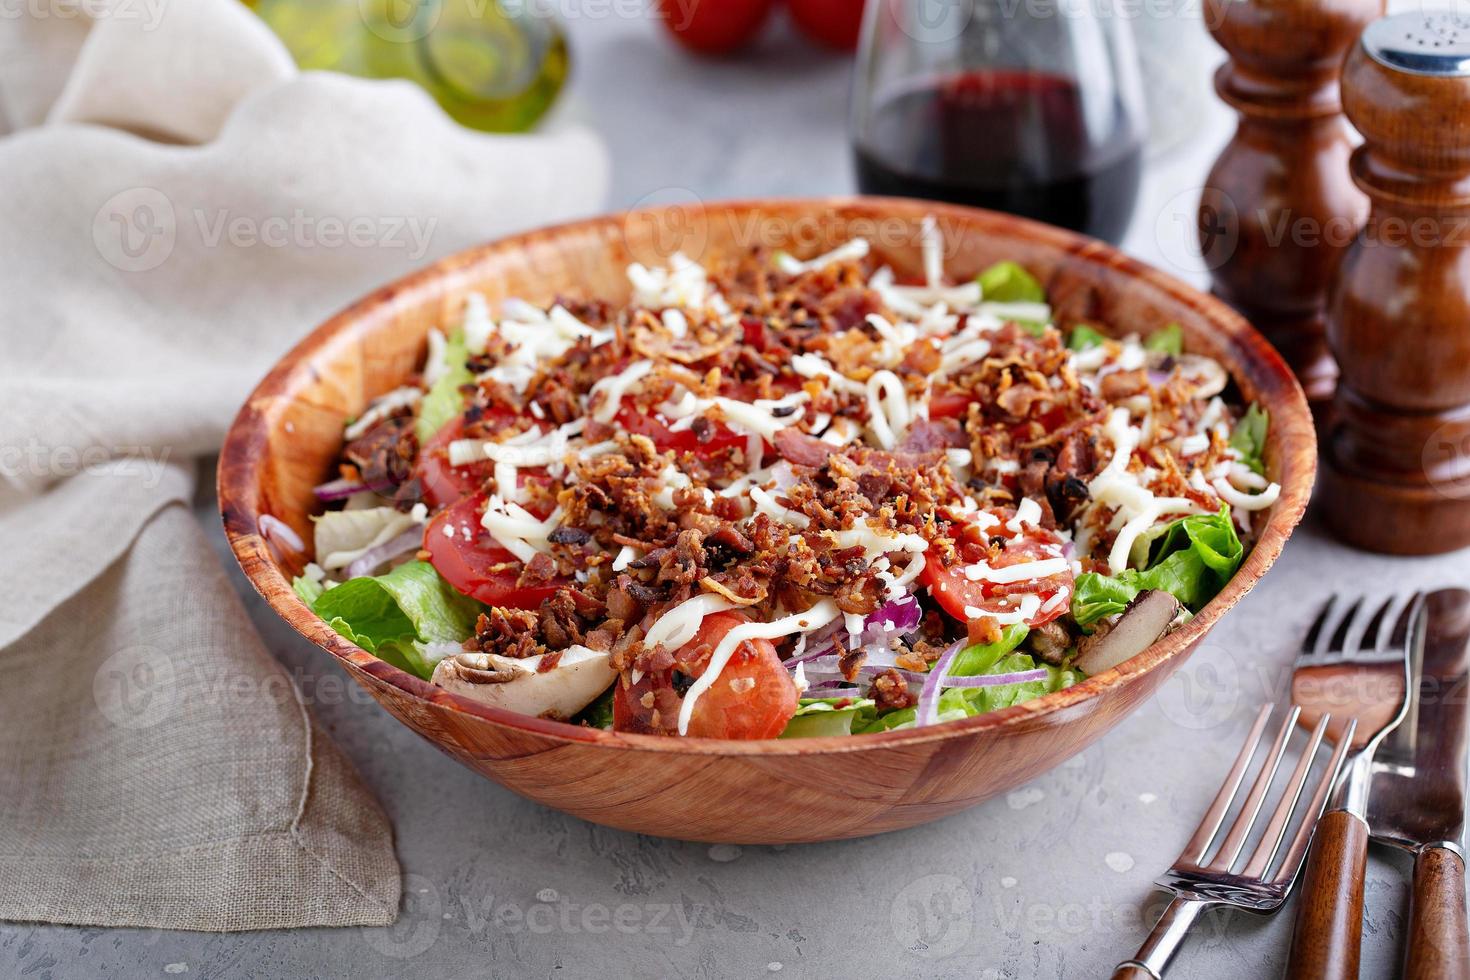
column 891, row 690
column 385, row 453
column 849, row 662
column 508, row 632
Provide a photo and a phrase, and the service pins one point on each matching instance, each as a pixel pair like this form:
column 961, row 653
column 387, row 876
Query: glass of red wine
column 1034, row 107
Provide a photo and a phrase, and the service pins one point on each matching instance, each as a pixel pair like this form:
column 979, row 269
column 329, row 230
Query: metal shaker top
column 1434, row 43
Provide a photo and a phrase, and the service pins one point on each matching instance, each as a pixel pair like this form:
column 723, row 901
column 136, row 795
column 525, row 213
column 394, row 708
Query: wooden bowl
column 288, row 434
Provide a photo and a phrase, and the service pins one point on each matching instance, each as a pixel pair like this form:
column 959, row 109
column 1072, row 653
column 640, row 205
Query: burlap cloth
column 178, row 207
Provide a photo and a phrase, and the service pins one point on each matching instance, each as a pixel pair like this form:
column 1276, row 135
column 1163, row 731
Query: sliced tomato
column 752, row 698
column 471, row 561
column 444, row 484
column 666, row 439
column 956, row 593
column 955, row 405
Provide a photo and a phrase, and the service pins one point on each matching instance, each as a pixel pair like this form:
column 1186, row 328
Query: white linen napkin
column 181, row 207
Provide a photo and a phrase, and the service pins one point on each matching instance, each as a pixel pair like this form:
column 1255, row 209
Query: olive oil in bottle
column 494, row 65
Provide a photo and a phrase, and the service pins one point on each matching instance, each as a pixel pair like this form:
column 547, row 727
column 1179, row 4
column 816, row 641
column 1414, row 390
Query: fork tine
column 1276, row 829
column 1375, row 625
column 1199, row 845
column 1339, row 641
column 1309, row 643
column 1251, row 809
column 1293, row 860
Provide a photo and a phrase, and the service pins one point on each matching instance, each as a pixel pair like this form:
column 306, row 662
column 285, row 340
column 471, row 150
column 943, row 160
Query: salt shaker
column 1279, row 207
column 1396, row 457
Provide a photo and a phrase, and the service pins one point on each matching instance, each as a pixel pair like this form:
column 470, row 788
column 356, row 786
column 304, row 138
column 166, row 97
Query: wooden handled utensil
column 1419, row 793
column 1354, row 673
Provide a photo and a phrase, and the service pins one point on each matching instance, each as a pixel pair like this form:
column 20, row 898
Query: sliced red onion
column 831, row 689
column 831, row 674
column 996, row 680
column 880, row 660
column 928, row 707
column 337, row 490
column 274, row 529
column 409, row 540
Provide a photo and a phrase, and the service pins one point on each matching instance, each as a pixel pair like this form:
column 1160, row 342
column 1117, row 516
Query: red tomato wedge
column 665, row 439
column 444, row 484
column 754, row 696
column 471, row 561
column 951, row 406
column 955, row 592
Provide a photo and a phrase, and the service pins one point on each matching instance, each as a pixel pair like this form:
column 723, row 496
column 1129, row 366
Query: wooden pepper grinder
column 1279, row 208
column 1396, row 458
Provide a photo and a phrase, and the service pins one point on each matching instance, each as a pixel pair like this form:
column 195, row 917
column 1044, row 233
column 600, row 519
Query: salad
column 785, row 498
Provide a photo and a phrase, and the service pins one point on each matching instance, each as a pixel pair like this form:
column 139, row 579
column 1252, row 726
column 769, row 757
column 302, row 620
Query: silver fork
column 1205, row 875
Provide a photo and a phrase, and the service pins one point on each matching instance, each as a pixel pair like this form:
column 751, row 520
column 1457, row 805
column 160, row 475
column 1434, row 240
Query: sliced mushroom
column 1145, row 619
column 519, row 685
column 1208, row 377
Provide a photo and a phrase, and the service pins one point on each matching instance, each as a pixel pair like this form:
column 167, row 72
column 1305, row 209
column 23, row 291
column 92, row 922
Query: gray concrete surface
column 1050, row 881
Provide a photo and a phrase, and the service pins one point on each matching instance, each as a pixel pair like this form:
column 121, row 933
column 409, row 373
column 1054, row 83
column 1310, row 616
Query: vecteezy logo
column 933, row 916
column 665, row 221
column 135, row 229
column 400, row 21
column 1445, row 454
column 1197, row 230
column 933, row 21
column 1205, row 692
column 417, row 927
column 135, row 687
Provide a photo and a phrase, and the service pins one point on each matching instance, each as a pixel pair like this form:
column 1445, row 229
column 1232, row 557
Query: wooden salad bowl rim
column 1291, row 458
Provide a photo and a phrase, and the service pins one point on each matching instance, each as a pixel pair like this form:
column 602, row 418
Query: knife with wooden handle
column 1419, row 794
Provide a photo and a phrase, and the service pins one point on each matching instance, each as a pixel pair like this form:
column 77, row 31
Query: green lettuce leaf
column 982, row 658
column 598, row 714
column 308, row 590
column 444, row 400
column 819, row 717
column 977, row 661
column 1168, row 340
column 1249, row 437
column 1008, row 282
column 965, row 702
column 1192, row 559
column 393, row 615
column 1083, row 337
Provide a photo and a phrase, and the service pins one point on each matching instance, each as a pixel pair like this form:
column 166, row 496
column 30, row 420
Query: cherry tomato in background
column 714, row 26
column 835, row 23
